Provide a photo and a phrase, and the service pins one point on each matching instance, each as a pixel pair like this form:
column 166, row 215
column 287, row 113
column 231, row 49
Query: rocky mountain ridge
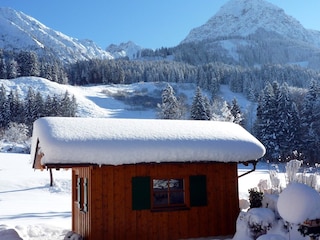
column 242, row 32
column 22, row 32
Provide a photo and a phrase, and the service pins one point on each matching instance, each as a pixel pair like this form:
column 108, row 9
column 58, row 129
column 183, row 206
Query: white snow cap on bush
column 299, row 202
column 271, row 237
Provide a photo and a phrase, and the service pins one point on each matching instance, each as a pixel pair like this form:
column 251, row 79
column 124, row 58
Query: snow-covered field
column 28, row 204
column 40, row 212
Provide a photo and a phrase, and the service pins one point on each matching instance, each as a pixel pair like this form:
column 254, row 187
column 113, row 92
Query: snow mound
column 260, row 216
column 271, row 237
column 9, row 234
column 299, row 202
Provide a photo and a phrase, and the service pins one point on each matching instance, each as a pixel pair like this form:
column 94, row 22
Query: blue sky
column 148, row 23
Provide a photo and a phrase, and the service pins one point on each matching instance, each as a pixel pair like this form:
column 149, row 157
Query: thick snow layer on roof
column 128, row 141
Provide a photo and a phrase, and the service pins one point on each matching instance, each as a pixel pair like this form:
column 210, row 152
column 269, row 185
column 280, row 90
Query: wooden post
column 51, row 177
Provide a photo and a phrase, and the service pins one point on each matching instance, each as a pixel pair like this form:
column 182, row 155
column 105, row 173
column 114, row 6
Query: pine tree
column 288, row 124
column 208, row 107
column 3, row 107
column 308, row 122
column 267, row 120
column 198, row 107
column 12, row 69
column 15, row 107
column 68, row 105
column 170, row 107
column 226, row 113
column 3, row 69
column 47, row 111
column 30, row 108
column 236, row 112
column 28, row 64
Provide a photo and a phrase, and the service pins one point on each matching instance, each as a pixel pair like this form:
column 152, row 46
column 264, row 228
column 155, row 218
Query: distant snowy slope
column 112, row 101
column 93, row 100
column 86, row 107
column 22, row 32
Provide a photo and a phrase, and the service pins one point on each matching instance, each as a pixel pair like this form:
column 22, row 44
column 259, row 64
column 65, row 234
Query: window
column 161, row 194
column 168, row 193
column 82, row 194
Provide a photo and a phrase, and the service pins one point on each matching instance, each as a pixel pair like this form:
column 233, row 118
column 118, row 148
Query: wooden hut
column 147, row 179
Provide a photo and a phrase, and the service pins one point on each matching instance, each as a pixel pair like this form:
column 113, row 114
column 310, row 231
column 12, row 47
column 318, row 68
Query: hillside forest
column 287, row 97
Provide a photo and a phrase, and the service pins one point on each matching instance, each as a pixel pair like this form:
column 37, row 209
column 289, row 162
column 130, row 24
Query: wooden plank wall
column 80, row 219
column 112, row 217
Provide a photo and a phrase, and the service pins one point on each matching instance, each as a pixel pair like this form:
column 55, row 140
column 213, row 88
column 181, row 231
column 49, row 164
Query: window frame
column 81, row 193
column 170, row 206
column 194, row 188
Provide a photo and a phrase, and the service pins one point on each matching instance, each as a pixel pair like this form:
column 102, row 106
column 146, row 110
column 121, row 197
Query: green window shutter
column 198, row 190
column 85, row 194
column 79, row 192
column 141, row 193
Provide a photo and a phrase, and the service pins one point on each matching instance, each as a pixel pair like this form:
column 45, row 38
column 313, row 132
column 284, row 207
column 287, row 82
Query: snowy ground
column 40, row 212
column 28, row 204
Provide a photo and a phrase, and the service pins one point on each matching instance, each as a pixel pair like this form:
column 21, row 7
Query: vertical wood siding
column 110, row 214
column 81, row 219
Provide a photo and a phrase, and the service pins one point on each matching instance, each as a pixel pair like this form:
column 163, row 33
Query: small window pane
column 176, row 184
column 160, row 184
column 160, row 199
column 176, row 198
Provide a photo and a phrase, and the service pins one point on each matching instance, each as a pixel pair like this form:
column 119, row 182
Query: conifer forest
column 286, row 97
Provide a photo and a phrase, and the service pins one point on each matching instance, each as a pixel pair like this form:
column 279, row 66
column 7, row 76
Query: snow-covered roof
column 110, row 141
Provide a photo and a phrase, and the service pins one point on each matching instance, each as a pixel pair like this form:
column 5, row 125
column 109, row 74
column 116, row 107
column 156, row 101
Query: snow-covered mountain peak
column 239, row 8
column 22, row 32
column 241, row 18
column 128, row 49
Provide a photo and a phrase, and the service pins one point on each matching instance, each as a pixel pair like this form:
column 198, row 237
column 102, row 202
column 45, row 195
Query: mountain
column 22, row 32
column 128, row 49
column 257, row 32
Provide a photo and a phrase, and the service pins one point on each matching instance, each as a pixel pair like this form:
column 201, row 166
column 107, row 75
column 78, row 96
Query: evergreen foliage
column 236, row 112
column 170, row 108
column 27, row 63
column 199, row 107
column 287, row 96
column 284, row 128
column 18, row 110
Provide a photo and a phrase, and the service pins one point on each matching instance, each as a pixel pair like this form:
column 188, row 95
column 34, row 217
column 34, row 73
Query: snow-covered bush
column 255, row 198
column 72, row 236
column 292, row 169
column 263, row 185
column 15, row 139
column 275, row 182
column 271, row 237
column 270, row 201
column 260, row 220
column 293, row 175
column 16, row 133
column 308, row 179
column 254, row 223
